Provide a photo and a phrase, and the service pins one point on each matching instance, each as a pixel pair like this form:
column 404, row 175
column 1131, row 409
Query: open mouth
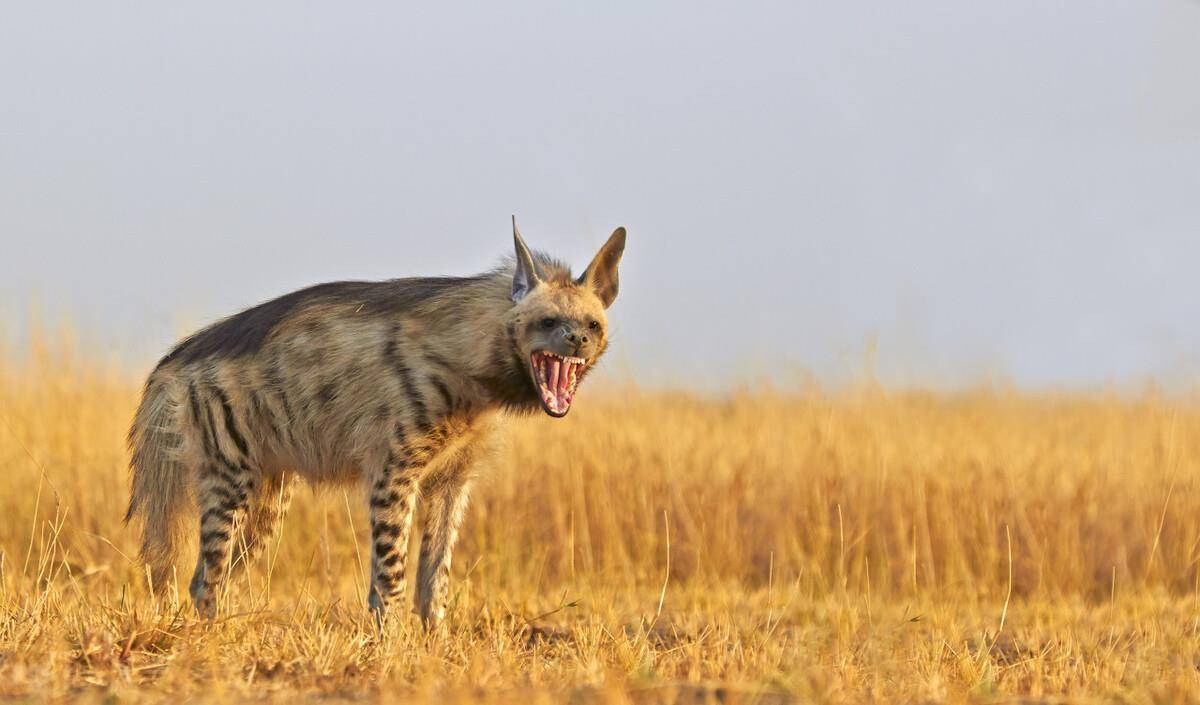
column 557, row 377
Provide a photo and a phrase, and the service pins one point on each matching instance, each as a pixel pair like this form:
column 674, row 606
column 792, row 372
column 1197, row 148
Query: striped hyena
column 395, row 384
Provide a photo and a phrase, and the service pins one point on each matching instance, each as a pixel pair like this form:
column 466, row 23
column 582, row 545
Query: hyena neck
column 505, row 376
column 471, row 333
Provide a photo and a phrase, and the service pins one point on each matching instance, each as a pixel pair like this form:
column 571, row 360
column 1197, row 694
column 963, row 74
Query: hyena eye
column 548, row 323
column 594, row 325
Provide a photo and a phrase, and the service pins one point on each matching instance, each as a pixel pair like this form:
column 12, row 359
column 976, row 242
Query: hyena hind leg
column 222, row 495
column 446, row 505
column 264, row 518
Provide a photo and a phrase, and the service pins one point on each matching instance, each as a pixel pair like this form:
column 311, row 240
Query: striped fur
column 396, row 385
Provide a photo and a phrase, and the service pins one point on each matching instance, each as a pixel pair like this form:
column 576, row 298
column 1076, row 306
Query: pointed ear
column 601, row 274
column 525, row 278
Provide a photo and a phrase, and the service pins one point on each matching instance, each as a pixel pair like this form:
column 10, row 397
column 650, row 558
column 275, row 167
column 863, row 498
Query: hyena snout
column 577, row 342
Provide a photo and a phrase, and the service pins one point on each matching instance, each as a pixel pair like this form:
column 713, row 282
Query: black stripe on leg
column 215, row 535
column 384, row 547
column 230, row 422
column 229, row 473
column 223, row 515
column 383, row 501
column 210, row 425
column 216, row 446
column 385, row 530
column 226, row 497
column 199, row 416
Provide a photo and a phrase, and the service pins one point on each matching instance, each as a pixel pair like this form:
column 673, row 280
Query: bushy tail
column 159, row 488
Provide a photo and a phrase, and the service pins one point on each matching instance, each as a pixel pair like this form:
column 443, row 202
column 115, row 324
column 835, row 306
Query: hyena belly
column 331, row 398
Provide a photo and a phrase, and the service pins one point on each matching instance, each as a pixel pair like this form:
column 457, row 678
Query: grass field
column 849, row 546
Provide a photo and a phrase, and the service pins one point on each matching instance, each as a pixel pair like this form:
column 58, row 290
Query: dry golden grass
column 653, row 547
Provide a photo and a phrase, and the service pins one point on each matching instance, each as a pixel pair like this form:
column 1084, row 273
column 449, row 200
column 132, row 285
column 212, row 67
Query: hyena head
column 558, row 324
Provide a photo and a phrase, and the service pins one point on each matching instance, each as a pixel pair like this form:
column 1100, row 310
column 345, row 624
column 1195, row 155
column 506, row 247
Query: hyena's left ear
column 601, row 274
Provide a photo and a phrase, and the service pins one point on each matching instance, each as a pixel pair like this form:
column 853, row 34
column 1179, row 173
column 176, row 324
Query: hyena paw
column 375, row 602
column 432, row 617
column 206, row 605
column 203, row 597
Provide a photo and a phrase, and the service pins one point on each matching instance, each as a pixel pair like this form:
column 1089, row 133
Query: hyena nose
column 577, row 338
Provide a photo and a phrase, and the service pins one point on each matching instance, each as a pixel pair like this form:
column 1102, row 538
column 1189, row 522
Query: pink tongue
column 556, row 367
column 562, row 381
column 552, row 378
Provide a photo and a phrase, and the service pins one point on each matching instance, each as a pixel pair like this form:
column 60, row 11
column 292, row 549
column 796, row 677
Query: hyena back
column 395, row 384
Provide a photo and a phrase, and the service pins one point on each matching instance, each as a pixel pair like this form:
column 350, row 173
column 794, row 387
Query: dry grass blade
column 797, row 535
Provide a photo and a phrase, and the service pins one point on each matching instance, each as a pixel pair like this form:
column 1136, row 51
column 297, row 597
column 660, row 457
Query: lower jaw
column 555, row 414
column 558, row 408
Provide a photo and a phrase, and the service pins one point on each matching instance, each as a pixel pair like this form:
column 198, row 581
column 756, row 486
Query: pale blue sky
column 985, row 189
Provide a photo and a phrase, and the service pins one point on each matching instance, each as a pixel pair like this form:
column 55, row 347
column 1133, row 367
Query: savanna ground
column 817, row 546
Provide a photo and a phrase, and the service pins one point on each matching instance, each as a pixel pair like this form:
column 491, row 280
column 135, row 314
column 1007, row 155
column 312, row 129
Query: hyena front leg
column 223, row 492
column 393, row 500
column 446, row 505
